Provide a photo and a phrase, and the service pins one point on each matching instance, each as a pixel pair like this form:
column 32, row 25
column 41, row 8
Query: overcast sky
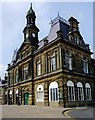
column 13, row 19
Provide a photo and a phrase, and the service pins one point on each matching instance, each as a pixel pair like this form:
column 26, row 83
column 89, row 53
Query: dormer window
column 76, row 40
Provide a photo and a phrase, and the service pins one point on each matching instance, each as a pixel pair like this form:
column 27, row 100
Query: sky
column 13, row 21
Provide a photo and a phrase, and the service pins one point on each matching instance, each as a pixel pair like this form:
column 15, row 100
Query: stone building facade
column 3, row 90
column 56, row 71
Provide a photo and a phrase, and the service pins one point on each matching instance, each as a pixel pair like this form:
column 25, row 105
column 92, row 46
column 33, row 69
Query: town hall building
column 55, row 71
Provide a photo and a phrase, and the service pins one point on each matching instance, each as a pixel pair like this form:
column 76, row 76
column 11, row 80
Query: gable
column 23, row 47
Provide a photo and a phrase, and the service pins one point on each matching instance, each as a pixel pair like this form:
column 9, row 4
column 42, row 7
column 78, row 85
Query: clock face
column 33, row 34
column 26, row 35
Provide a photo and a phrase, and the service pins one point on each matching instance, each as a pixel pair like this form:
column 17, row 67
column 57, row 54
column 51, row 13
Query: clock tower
column 31, row 31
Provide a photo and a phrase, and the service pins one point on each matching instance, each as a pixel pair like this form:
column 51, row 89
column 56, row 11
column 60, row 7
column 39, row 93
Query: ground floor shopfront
column 66, row 91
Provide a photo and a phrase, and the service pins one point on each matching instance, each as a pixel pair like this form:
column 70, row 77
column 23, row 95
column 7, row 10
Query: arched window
column 68, row 61
column 71, row 92
column 76, row 40
column 53, row 91
column 80, row 91
column 88, row 91
column 40, row 93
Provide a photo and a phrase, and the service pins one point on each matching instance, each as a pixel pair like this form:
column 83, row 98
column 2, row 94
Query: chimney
column 73, row 24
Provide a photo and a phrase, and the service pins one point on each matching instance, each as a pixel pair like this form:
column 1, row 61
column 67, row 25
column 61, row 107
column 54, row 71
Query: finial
column 58, row 14
column 51, row 21
column 31, row 5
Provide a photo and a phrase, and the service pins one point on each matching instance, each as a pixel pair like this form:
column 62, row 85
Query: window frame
column 85, row 66
column 88, row 92
column 40, row 93
column 80, row 91
column 71, row 91
column 53, row 92
column 53, row 62
column 39, row 67
column 25, row 72
column 16, row 76
column 68, row 61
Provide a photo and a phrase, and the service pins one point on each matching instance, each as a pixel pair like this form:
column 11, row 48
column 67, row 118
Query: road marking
column 66, row 114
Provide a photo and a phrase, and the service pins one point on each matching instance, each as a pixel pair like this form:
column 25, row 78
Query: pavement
column 24, row 111
column 0, row 112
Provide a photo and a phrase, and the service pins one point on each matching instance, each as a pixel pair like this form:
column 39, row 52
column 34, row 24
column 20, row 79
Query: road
column 81, row 113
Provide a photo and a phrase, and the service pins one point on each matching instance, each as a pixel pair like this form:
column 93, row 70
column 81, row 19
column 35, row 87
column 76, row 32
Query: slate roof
column 14, row 57
column 60, row 24
column 57, row 24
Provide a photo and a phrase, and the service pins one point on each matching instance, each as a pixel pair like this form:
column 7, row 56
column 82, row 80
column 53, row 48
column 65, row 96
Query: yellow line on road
column 66, row 114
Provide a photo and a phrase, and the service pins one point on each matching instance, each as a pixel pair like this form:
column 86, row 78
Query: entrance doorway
column 26, row 95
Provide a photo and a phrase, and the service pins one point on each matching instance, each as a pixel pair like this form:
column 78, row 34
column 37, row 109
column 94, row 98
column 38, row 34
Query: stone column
column 76, row 93
column 33, row 93
column 46, row 93
column 30, row 95
column 20, row 95
column 65, row 95
column 60, row 56
column 60, row 86
column 14, row 96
